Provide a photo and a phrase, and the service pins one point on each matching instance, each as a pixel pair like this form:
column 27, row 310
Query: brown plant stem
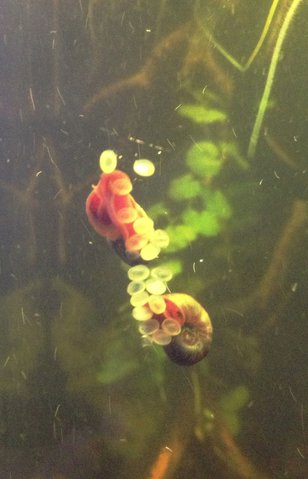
column 280, row 153
column 291, row 236
column 273, row 279
column 230, row 454
column 146, row 75
column 189, row 425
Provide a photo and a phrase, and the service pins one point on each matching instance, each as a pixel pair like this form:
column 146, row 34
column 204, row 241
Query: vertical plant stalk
column 270, row 79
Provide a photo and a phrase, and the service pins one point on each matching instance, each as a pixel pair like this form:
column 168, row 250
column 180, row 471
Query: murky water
column 214, row 93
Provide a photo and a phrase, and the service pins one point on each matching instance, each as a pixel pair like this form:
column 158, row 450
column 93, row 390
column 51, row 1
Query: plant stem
column 270, row 78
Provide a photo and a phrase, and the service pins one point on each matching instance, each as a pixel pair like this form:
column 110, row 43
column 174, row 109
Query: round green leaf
column 204, row 159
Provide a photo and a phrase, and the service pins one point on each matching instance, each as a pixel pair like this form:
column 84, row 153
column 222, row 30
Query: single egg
column 108, row 161
column 149, row 326
column 142, row 313
column 121, row 186
column 139, row 299
column 162, row 272
column 144, row 225
column 144, row 167
column 149, row 252
column 135, row 287
column 136, row 243
column 155, row 286
column 161, row 338
column 157, row 304
column 138, row 272
column 126, row 215
column 171, row 326
column 160, row 238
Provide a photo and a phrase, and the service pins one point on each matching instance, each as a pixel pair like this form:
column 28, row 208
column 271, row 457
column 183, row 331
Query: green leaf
column 184, row 187
column 235, row 399
column 158, row 210
column 204, row 222
column 175, row 266
column 204, row 159
column 218, row 205
column 115, row 369
column 233, row 422
column 209, row 225
column 231, row 404
column 180, row 236
column 231, row 150
column 202, row 115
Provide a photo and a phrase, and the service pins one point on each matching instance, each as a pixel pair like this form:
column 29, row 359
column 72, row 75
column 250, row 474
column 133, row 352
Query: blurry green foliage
column 158, row 210
column 231, row 405
column 180, row 236
column 206, row 207
column 204, row 159
column 184, row 187
column 249, row 347
column 118, row 363
column 231, row 150
column 201, row 114
column 204, row 223
column 218, row 205
column 22, row 337
column 174, row 265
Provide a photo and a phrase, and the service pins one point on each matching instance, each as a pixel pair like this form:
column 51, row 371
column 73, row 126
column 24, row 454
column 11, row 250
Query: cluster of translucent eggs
column 146, row 241
column 146, row 288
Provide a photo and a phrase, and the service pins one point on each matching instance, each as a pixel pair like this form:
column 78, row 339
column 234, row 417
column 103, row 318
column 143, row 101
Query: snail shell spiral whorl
column 194, row 341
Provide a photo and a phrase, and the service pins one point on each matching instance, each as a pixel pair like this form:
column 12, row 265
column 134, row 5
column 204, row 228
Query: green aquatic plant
column 202, row 208
column 231, row 405
column 264, row 101
column 242, row 67
column 263, row 105
column 201, row 114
